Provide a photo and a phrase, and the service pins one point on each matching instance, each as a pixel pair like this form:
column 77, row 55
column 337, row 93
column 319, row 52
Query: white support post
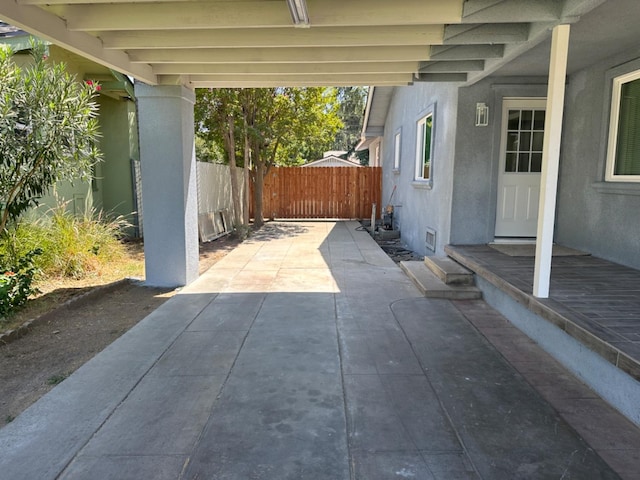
column 551, row 160
column 169, row 190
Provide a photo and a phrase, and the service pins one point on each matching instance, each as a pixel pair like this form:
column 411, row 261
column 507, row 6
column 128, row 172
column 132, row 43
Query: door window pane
column 526, row 122
column 514, row 120
column 511, row 164
column 512, row 142
column 536, row 162
column 525, row 137
column 523, row 163
column 538, row 137
column 538, row 120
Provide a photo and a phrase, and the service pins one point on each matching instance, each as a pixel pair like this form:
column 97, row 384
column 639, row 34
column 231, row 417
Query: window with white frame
column 623, row 153
column 424, row 147
column 396, row 151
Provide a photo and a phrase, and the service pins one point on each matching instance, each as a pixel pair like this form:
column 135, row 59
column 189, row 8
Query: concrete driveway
column 306, row 353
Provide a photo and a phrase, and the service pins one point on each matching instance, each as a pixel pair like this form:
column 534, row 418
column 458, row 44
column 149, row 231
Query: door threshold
column 513, row 240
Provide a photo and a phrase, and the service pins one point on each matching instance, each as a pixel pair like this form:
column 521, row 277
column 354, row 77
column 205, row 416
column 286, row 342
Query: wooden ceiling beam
column 339, row 79
column 286, row 68
column 281, row 55
column 275, row 37
column 253, row 14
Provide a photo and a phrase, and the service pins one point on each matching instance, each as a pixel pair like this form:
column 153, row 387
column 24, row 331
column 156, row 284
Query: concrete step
column 433, row 287
column 449, row 271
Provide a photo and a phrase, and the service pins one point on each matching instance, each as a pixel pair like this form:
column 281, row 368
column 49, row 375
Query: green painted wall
column 119, row 146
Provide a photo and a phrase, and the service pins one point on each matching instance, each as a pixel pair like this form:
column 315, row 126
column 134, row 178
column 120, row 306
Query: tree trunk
column 233, row 170
column 247, row 164
column 257, row 192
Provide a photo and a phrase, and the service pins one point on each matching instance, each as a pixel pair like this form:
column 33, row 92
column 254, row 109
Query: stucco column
column 551, row 160
column 169, row 195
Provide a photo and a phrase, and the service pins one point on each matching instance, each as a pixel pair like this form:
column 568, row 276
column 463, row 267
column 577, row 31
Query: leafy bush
column 16, row 282
column 48, row 131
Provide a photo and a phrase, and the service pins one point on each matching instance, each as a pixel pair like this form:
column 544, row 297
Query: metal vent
column 430, row 239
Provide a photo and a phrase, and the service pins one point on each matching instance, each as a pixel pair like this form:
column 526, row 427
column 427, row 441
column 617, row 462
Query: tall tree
column 272, row 126
column 48, row 131
column 351, row 102
column 216, row 114
column 292, row 125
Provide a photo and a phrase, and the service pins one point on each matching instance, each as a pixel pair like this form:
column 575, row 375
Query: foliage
column 363, row 157
column 16, row 282
column 351, row 104
column 208, row 151
column 48, row 131
column 269, row 126
column 216, row 112
column 71, row 246
column 312, row 127
column 56, row 379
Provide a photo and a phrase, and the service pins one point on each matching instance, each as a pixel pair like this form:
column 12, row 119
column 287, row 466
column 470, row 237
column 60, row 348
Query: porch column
column 550, row 160
column 169, row 195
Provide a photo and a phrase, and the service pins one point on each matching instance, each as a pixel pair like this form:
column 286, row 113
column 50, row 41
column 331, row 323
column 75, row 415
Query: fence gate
column 321, row 192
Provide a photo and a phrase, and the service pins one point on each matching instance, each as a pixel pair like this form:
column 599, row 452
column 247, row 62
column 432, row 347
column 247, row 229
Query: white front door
column 520, row 166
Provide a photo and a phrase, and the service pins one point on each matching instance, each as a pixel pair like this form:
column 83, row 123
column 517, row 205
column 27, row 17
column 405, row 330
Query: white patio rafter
column 254, row 42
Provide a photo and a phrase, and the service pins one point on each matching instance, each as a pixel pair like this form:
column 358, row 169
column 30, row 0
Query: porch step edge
column 449, row 271
column 433, row 287
column 556, row 314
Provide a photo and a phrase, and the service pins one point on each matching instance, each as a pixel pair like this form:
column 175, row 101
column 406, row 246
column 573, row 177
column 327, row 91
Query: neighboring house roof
column 332, row 161
column 14, row 37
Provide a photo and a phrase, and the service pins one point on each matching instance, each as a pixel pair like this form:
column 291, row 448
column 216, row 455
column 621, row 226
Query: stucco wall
column 475, row 175
column 601, row 218
column 418, row 208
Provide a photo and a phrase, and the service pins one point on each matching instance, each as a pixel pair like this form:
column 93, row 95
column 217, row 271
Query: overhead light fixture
column 299, row 13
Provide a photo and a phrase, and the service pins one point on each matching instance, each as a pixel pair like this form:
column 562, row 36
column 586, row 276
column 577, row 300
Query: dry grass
column 54, row 291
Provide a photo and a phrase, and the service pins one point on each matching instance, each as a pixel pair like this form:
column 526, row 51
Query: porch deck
column 595, row 301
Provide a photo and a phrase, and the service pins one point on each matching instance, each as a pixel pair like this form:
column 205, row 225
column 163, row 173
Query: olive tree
column 48, row 131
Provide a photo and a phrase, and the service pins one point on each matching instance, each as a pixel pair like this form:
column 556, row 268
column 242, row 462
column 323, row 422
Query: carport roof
column 253, row 43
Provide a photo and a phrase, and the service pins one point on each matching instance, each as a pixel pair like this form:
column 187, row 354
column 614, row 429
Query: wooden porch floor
column 593, row 300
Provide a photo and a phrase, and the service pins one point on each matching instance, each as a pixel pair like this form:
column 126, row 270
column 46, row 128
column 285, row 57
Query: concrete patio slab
column 269, row 367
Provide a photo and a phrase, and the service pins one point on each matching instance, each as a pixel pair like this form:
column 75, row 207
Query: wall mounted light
column 299, row 13
column 482, row 115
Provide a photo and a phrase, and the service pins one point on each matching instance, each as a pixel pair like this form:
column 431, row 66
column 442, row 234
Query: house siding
column 594, row 215
column 417, row 209
column 475, row 174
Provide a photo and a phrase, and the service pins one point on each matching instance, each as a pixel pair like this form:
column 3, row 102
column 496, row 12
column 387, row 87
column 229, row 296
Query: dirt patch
column 397, row 251
column 64, row 338
column 393, row 247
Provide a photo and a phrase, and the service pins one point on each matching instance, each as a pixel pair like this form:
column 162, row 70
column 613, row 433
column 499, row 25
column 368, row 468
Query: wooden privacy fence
column 321, row 192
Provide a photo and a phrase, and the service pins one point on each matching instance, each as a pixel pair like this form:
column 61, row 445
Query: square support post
column 551, row 160
column 169, row 187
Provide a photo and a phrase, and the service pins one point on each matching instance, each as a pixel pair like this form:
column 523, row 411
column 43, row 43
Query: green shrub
column 16, row 282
